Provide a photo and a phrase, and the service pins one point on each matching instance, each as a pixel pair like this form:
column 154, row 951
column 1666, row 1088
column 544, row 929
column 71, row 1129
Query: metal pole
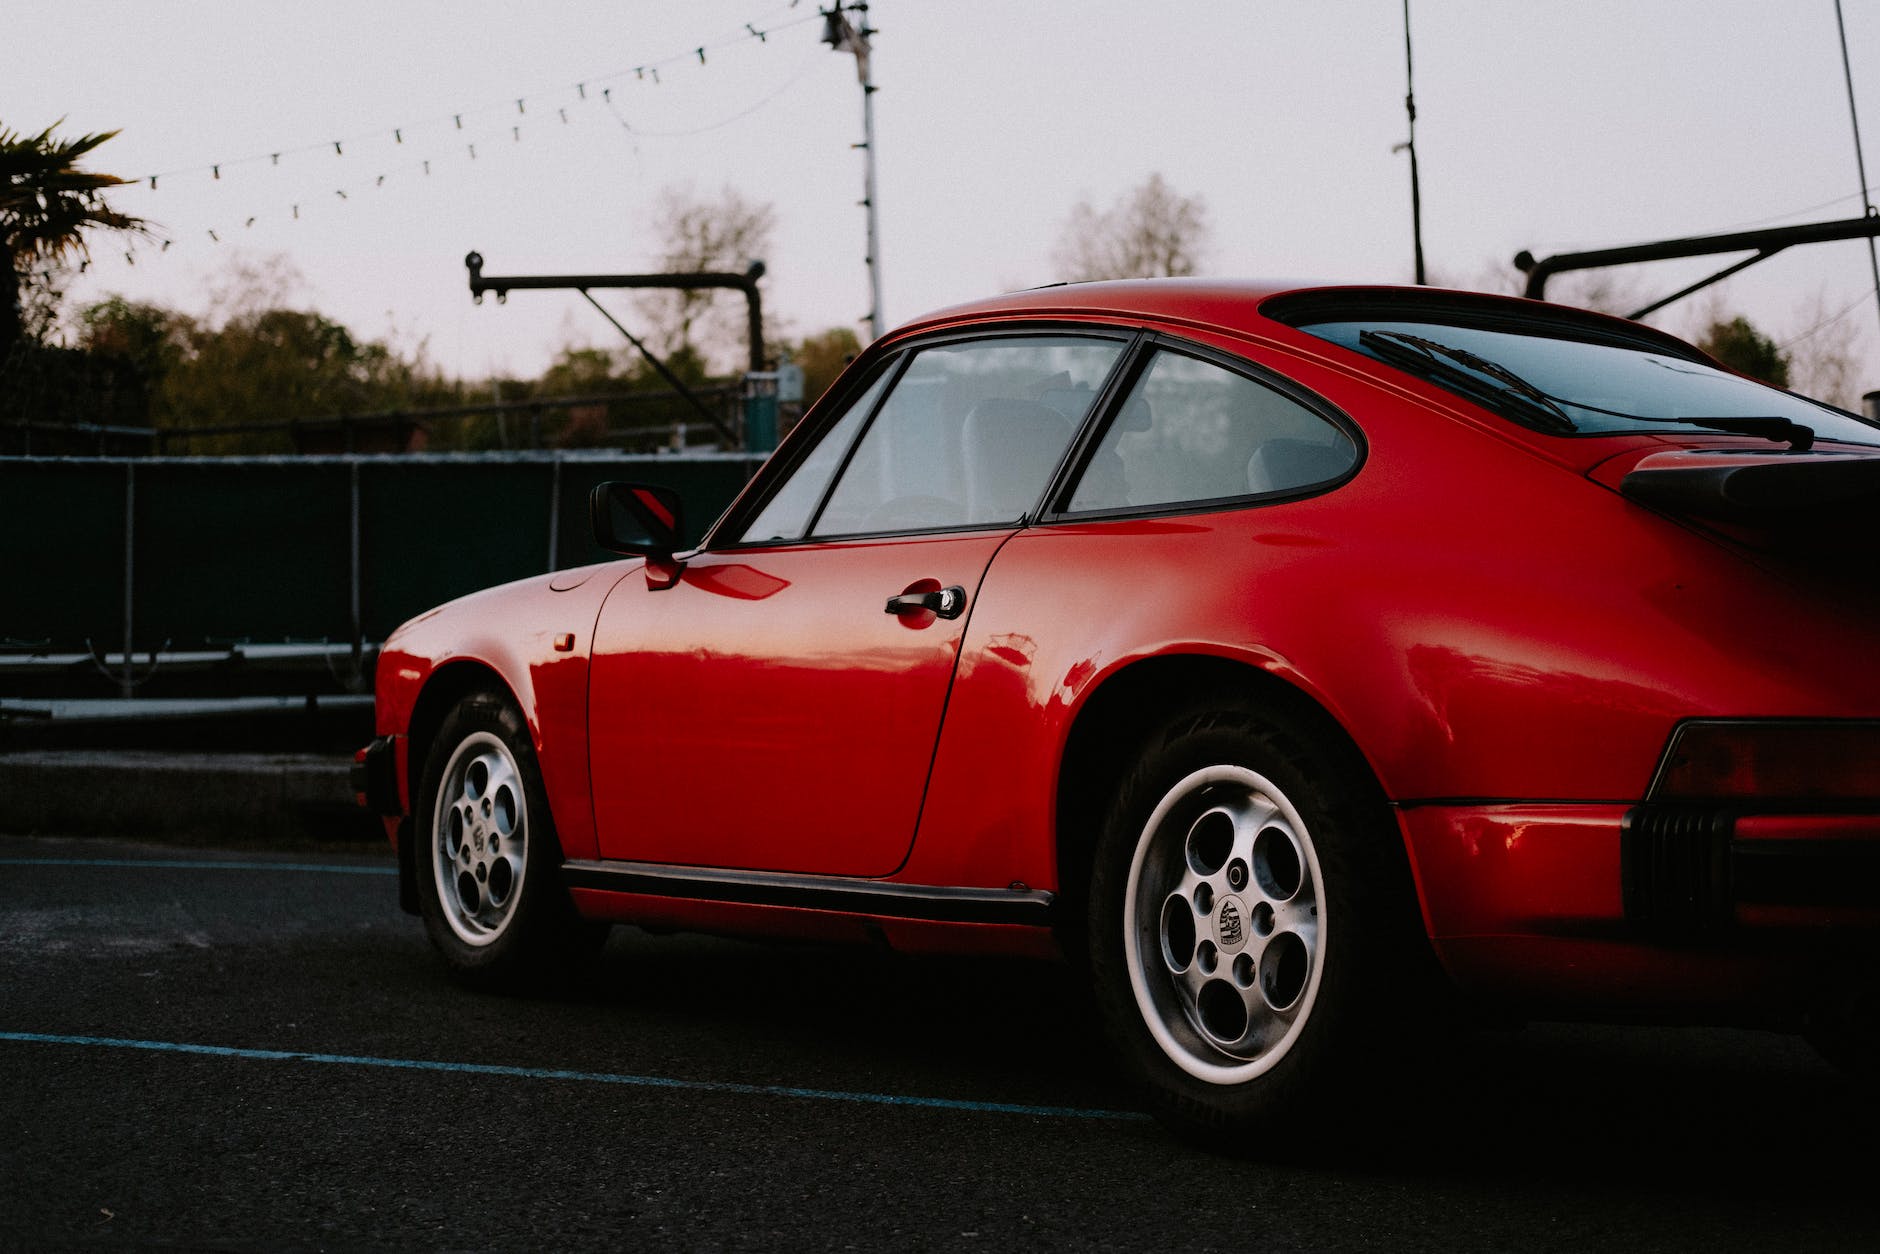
column 126, row 686
column 1410, row 107
column 842, row 35
column 690, row 281
column 554, row 515
column 358, row 619
column 1860, row 161
column 1767, row 242
column 864, row 64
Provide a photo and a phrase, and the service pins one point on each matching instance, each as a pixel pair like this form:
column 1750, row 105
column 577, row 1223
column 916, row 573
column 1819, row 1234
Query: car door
column 776, row 707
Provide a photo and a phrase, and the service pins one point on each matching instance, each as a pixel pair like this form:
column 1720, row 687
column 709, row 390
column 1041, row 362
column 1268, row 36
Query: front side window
column 969, row 435
column 786, row 515
column 1193, row 431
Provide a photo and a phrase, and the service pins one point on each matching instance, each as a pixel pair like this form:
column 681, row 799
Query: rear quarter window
column 1191, row 430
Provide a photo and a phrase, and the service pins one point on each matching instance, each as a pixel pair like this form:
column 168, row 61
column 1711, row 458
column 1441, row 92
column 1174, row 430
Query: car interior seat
column 1010, row 447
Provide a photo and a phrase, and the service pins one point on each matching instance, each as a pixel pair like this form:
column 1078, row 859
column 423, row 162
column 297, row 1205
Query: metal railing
column 406, row 430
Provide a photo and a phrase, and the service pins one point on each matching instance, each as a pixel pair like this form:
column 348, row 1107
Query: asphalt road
column 261, row 1053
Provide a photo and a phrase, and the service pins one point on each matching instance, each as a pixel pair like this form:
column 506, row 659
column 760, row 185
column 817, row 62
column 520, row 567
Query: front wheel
column 1249, row 921
column 489, row 885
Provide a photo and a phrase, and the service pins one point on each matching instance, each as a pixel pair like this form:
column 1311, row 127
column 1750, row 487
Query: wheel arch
column 445, row 687
column 1113, row 721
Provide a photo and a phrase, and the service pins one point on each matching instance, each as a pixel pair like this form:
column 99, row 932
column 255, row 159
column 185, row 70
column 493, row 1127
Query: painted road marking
column 582, row 1077
column 181, row 865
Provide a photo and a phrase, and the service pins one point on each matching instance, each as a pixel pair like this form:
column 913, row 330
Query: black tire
column 488, row 864
column 1844, row 1026
column 1252, row 928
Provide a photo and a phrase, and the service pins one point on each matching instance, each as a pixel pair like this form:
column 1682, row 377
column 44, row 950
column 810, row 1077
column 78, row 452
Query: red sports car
column 1271, row 651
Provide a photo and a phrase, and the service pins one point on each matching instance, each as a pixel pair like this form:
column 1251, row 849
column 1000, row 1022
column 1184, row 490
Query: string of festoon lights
column 457, row 136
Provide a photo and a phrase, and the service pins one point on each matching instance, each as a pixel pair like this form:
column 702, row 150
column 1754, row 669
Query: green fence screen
column 223, row 551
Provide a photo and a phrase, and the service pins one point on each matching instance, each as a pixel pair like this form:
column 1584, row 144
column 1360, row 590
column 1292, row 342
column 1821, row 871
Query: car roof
column 1264, row 306
column 1230, row 303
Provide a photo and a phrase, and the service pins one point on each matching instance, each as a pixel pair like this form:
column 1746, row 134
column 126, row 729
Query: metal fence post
column 126, row 686
column 554, row 515
column 358, row 619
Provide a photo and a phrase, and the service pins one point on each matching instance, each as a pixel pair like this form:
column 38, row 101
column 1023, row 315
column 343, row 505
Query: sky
column 1548, row 125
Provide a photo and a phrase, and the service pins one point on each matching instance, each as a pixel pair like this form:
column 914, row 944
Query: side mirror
column 638, row 518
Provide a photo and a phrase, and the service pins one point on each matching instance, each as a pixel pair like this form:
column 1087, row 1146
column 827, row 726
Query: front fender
column 533, row 639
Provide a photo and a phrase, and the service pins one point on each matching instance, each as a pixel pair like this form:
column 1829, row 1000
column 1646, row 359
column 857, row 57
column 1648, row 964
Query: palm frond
column 48, row 204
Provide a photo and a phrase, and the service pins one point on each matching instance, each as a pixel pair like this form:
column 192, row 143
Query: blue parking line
column 168, row 864
column 583, row 1077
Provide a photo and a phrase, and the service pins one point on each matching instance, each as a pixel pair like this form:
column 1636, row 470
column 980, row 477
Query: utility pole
column 843, row 36
column 1410, row 107
column 1860, row 160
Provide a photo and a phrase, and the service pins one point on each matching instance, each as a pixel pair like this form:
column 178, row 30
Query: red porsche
column 1274, row 653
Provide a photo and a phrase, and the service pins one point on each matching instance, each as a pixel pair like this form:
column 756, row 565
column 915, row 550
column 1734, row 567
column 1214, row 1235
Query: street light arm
column 746, row 282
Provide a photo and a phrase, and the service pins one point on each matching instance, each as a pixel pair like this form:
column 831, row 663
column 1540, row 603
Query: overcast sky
column 1546, row 124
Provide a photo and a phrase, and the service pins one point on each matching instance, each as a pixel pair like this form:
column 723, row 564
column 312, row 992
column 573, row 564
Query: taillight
column 1770, row 759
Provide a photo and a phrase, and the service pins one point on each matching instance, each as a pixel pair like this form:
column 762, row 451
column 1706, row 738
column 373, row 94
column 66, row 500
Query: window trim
column 891, row 381
column 898, row 356
column 776, row 471
column 1057, row 509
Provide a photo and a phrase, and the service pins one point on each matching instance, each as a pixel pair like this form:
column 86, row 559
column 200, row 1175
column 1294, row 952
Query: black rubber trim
column 1683, row 871
column 839, row 894
column 376, row 778
column 1807, row 872
column 1675, row 869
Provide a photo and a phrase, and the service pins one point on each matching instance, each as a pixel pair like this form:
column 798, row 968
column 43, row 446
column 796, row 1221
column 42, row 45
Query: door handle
column 943, row 603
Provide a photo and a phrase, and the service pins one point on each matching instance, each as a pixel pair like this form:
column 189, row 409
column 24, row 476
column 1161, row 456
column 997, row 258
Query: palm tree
column 47, row 204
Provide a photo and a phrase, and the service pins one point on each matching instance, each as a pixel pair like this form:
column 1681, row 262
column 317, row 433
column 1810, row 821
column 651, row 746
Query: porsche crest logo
column 1228, row 925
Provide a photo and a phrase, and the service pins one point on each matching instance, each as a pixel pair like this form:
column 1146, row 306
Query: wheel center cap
column 1230, row 924
column 479, row 842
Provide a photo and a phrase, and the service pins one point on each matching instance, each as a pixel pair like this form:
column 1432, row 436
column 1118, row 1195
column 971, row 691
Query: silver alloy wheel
column 479, row 845
column 1224, row 924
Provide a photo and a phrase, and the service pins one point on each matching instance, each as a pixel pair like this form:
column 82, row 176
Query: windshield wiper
column 1782, row 430
column 1477, row 377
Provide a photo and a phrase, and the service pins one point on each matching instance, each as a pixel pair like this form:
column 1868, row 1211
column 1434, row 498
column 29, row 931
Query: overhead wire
column 1830, row 320
column 757, row 29
column 808, row 64
column 748, row 32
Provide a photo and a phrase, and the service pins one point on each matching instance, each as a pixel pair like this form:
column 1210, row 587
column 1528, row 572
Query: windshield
column 1573, row 387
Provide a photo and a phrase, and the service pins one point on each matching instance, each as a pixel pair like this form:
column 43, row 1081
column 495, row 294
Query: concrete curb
column 250, row 798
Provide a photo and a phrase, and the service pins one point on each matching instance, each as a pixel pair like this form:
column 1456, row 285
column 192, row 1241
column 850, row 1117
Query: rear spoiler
column 1751, row 486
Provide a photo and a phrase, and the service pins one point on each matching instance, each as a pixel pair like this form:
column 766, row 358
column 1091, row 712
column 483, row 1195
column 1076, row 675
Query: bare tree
column 1149, row 232
column 1824, row 358
column 695, row 233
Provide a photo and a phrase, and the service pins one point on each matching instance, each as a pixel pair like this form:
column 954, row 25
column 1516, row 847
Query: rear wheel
column 1844, row 1025
column 1247, row 926
column 489, row 886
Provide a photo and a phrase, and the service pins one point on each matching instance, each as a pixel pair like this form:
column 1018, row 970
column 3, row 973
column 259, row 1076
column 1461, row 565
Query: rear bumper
column 1649, row 909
